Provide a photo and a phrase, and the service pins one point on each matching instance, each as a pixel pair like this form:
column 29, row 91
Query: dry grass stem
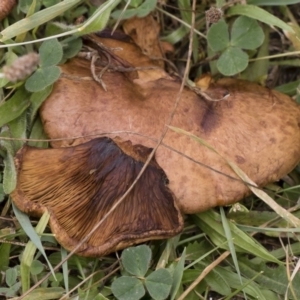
column 203, row 274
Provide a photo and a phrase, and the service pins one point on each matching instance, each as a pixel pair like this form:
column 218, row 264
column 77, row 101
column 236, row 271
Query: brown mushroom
column 79, row 185
column 255, row 127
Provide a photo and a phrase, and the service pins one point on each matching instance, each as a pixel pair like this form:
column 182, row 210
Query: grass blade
column 24, row 221
column 210, row 223
column 37, row 19
column 259, row 14
column 242, row 287
column 45, row 293
column 177, row 276
column 230, row 244
column 28, row 254
column 65, row 269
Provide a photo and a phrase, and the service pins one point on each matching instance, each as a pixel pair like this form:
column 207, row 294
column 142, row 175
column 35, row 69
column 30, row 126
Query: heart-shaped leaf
column 42, row 78
column 136, row 260
column 246, row 33
column 159, row 284
column 218, row 36
column 51, row 53
column 128, row 288
column 232, row 61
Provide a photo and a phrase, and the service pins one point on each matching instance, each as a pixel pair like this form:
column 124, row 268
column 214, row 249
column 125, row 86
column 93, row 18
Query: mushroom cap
column 79, row 185
column 254, row 127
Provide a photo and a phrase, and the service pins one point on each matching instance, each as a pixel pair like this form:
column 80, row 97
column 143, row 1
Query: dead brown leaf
column 145, row 33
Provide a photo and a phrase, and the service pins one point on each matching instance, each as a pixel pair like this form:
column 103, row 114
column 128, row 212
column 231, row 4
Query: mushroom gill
column 79, row 185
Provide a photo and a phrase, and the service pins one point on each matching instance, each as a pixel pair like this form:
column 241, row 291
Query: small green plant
column 51, row 53
column 136, row 262
column 245, row 34
column 137, row 8
column 12, row 283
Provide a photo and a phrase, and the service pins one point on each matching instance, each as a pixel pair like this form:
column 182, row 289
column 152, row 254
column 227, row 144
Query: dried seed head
column 213, row 15
column 6, row 7
column 79, row 20
column 22, row 67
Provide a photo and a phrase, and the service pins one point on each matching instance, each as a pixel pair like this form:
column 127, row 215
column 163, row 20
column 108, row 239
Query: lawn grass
column 245, row 251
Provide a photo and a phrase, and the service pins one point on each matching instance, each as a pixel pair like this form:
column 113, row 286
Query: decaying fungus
column 254, row 127
column 79, row 185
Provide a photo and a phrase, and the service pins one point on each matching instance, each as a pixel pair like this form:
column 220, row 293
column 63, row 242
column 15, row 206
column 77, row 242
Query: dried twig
column 203, row 274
